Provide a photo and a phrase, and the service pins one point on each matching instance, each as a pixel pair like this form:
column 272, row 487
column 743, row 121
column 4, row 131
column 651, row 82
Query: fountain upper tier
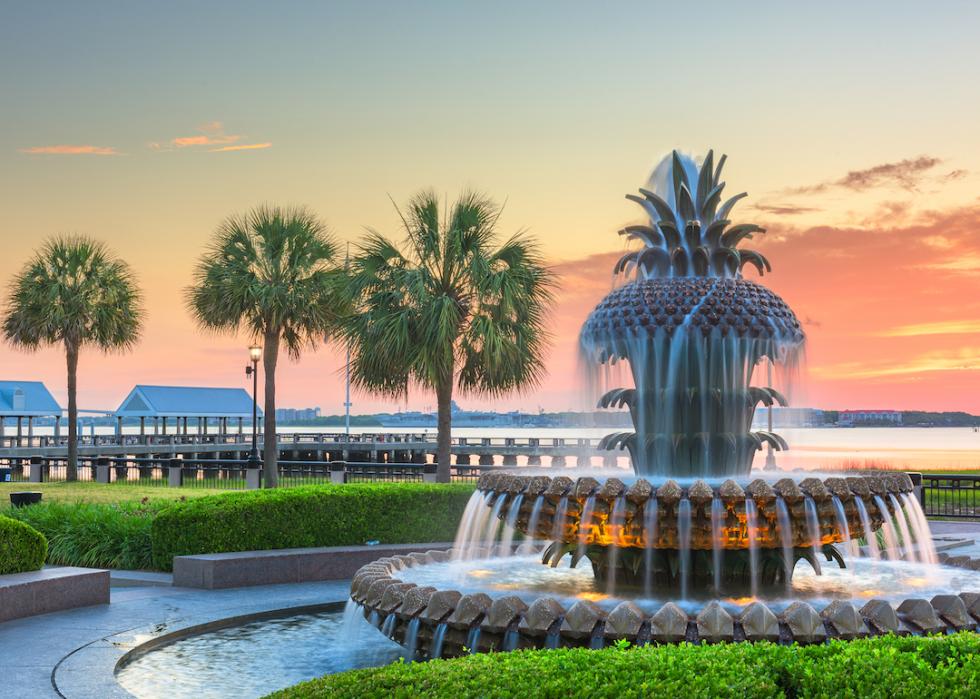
column 692, row 330
column 659, row 309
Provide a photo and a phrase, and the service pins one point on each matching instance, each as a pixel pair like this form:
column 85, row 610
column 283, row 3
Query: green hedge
column 341, row 515
column 95, row 535
column 22, row 548
column 892, row 667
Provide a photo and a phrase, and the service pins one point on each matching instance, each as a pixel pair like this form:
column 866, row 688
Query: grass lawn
column 101, row 493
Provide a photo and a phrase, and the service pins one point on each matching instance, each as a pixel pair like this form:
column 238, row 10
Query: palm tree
column 448, row 311
column 74, row 293
column 270, row 271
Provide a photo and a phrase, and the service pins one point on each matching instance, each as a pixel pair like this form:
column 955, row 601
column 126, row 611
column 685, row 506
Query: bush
column 330, row 515
column 22, row 548
column 937, row 666
column 95, row 535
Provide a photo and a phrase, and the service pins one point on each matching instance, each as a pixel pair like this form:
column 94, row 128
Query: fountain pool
column 256, row 658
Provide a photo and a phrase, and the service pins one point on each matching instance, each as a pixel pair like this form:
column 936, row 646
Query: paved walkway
column 949, row 531
column 73, row 654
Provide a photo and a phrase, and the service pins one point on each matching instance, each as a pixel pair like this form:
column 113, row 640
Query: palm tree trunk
column 444, row 399
column 71, row 472
column 270, row 444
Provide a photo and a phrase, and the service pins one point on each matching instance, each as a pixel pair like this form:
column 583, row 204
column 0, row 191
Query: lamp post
column 254, row 354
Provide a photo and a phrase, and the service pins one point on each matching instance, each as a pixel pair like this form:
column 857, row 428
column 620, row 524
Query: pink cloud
column 243, row 146
column 70, row 150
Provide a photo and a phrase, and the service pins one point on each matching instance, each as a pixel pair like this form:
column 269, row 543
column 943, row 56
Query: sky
column 853, row 127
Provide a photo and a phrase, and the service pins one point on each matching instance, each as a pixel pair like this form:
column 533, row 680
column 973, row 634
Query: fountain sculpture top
column 692, row 329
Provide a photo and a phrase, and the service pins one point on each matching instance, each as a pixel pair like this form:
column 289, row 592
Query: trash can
column 23, row 499
column 5, row 474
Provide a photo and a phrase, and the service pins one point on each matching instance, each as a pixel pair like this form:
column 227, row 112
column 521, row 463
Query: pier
column 415, row 448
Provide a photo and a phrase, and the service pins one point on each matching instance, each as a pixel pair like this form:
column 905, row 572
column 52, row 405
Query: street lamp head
column 255, row 353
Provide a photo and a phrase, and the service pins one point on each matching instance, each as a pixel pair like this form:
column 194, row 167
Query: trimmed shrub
column 95, row 535
column 22, row 548
column 936, row 666
column 327, row 515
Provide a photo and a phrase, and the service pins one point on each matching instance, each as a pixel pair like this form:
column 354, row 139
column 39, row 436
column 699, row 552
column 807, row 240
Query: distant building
column 868, row 418
column 297, row 414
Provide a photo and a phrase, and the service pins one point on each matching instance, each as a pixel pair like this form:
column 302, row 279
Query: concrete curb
column 282, row 566
column 51, row 590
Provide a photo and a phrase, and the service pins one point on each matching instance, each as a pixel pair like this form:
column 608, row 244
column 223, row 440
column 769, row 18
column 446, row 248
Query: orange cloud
column 948, row 327
column 887, row 322
column 212, row 134
column 70, row 150
column 905, row 174
column 244, row 146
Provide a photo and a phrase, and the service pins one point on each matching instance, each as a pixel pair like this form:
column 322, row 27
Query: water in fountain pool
column 254, row 659
column 861, row 580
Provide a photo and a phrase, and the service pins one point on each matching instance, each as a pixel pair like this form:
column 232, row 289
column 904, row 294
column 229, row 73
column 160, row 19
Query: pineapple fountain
column 692, row 526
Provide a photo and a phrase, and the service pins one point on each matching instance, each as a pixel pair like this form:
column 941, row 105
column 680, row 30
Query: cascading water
column 866, row 529
column 476, row 511
column 908, row 549
column 438, row 637
column 684, row 543
column 717, row 514
column 920, row 528
column 412, row 638
column 752, row 531
column 388, row 627
column 650, row 539
column 813, row 530
column 842, row 524
column 532, row 526
column 888, row 531
column 617, row 518
column 489, row 534
column 507, row 540
column 585, row 527
column 561, row 512
column 785, row 538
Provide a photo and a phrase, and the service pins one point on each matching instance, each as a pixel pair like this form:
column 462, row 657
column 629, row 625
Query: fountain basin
column 436, row 622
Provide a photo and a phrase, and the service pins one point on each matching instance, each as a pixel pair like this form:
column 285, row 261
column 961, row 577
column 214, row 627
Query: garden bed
column 145, row 534
column 936, row 666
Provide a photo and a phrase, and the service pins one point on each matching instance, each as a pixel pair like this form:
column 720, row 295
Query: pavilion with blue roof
column 26, row 399
column 178, row 403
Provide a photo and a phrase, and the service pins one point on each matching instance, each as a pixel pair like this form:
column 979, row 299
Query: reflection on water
column 863, row 579
column 257, row 658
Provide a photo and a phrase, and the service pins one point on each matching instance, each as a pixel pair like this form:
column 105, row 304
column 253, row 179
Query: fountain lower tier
column 444, row 622
column 781, row 515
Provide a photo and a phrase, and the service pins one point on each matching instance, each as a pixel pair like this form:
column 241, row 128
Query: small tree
column 73, row 293
column 273, row 272
column 449, row 310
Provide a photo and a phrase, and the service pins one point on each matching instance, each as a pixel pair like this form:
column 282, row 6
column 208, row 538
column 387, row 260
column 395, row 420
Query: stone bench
column 51, row 590
column 246, row 568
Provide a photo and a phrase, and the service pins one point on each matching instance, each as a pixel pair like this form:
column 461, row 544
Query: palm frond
column 74, row 291
column 450, row 302
column 270, row 270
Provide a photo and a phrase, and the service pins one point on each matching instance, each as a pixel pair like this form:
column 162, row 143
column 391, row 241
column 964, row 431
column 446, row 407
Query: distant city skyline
column 146, row 125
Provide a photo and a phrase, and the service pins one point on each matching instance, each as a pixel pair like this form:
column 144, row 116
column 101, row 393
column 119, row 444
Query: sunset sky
column 855, row 130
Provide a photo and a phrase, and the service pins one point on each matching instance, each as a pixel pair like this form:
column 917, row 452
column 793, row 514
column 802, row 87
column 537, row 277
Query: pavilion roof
column 186, row 401
column 27, row 399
